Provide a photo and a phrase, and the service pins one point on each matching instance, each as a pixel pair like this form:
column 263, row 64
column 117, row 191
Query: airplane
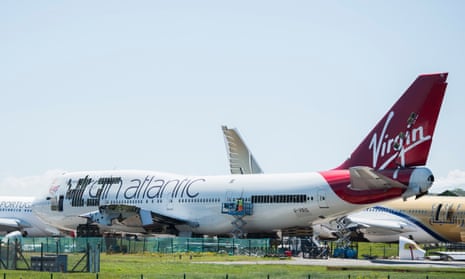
column 16, row 216
column 431, row 219
column 388, row 164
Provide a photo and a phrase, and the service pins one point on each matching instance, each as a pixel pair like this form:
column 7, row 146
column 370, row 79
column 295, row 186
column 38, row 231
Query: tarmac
column 339, row 262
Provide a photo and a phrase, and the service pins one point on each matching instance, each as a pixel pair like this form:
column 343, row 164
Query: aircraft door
column 322, row 196
column 449, row 212
column 232, row 196
column 60, row 203
column 229, row 196
column 170, row 204
column 437, row 212
column 56, row 203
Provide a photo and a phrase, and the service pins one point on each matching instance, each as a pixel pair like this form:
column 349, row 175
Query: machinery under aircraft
column 388, row 164
column 16, row 215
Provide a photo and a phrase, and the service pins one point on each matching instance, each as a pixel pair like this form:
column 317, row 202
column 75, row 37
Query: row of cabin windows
column 409, row 211
column 300, row 198
column 297, row 198
column 200, row 200
column 196, row 200
column 94, row 202
column 412, row 211
column 14, row 210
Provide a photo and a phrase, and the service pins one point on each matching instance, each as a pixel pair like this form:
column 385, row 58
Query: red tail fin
column 403, row 136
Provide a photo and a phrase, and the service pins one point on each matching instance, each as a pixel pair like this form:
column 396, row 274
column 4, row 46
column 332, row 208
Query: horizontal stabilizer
column 366, row 178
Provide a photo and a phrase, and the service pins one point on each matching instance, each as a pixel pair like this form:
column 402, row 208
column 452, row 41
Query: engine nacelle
column 12, row 237
column 421, row 180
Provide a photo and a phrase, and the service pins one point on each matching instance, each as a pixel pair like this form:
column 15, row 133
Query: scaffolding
column 238, row 209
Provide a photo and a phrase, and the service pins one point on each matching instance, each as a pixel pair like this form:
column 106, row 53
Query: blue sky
column 89, row 85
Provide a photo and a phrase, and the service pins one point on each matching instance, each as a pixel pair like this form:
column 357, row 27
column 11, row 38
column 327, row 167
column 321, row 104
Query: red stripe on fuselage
column 339, row 181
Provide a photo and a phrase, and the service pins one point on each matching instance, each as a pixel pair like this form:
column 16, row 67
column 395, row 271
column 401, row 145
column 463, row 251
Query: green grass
column 379, row 250
column 171, row 266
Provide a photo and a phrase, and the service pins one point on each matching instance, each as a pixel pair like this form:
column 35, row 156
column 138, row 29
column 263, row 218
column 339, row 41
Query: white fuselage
column 16, row 214
column 409, row 226
column 278, row 200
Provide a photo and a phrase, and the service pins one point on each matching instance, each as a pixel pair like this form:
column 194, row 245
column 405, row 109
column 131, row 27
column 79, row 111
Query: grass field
column 189, row 265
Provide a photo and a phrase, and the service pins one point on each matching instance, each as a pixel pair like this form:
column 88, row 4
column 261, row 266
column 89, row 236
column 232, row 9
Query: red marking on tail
column 340, row 179
column 403, row 136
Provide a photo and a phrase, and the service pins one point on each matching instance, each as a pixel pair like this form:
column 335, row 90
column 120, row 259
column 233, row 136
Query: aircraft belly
column 413, row 232
column 450, row 232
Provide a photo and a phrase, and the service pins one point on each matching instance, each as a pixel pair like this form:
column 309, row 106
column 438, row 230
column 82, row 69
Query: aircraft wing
column 451, row 255
column 377, row 226
column 241, row 160
column 132, row 216
column 11, row 224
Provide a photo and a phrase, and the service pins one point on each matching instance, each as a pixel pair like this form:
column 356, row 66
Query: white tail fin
column 241, row 160
column 409, row 250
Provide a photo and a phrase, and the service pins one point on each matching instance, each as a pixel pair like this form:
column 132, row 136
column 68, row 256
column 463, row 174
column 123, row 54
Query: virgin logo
column 53, row 189
column 386, row 148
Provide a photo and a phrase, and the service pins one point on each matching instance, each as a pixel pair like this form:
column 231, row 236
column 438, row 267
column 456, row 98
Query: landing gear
column 238, row 223
column 88, row 230
column 313, row 249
